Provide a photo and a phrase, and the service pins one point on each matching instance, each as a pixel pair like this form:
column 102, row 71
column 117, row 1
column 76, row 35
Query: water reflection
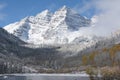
column 42, row 77
column 12, row 77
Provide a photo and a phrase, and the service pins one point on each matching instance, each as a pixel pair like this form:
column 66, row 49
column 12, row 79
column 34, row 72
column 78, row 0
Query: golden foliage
column 104, row 49
column 84, row 60
column 92, row 56
column 111, row 72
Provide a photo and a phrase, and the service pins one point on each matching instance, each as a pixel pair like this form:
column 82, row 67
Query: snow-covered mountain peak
column 44, row 13
column 64, row 7
column 66, row 11
column 63, row 26
column 25, row 20
column 68, row 19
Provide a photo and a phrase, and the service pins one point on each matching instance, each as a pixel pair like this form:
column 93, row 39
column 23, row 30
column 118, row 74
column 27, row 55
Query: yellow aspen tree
column 84, row 60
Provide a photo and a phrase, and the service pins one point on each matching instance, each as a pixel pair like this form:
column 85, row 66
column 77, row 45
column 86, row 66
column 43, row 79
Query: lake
column 44, row 77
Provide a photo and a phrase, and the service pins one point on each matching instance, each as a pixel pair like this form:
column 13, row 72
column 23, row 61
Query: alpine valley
column 55, row 43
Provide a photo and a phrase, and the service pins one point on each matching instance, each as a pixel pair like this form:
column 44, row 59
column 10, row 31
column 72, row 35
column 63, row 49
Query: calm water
column 44, row 77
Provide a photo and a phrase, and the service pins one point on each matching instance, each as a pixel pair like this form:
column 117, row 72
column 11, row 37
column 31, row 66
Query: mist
column 108, row 17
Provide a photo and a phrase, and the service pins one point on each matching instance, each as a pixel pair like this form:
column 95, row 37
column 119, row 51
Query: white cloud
column 108, row 16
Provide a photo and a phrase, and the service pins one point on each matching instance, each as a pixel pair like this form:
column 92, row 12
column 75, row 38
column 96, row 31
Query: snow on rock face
column 19, row 29
column 46, row 28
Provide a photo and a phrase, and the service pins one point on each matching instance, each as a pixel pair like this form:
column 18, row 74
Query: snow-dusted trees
column 6, row 68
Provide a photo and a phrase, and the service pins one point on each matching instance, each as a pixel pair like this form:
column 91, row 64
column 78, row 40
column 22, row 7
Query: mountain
column 15, row 57
column 45, row 58
column 55, row 42
column 9, row 44
column 7, row 38
column 54, row 58
column 61, row 27
column 9, row 49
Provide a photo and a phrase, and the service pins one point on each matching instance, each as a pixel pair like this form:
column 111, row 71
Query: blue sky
column 14, row 10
